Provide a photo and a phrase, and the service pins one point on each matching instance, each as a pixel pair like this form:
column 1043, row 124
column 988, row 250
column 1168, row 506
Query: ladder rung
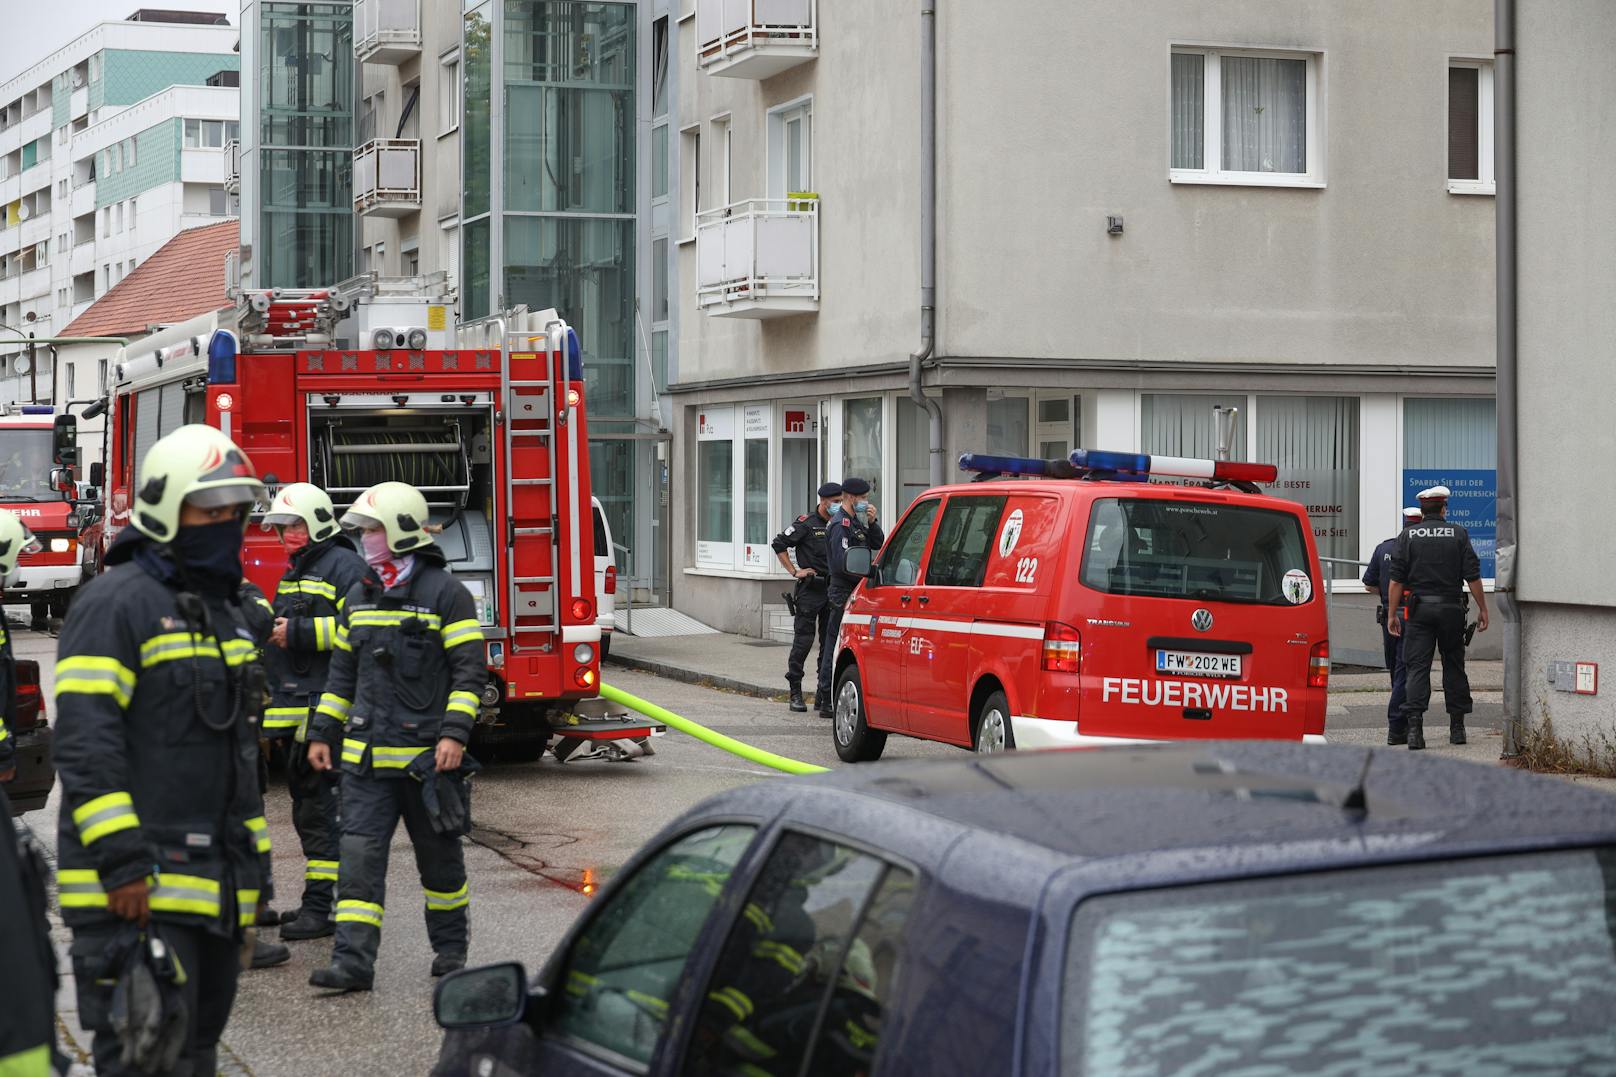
column 535, row 531
column 527, row 432
column 529, row 384
column 534, row 579
column 531, row 482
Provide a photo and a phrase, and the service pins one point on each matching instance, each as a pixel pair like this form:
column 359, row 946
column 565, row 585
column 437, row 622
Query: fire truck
column 38, row 452
column 367, row 382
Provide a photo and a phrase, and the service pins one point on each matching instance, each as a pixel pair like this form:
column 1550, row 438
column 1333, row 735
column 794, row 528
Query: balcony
column 759, row 258
column 755, row 39
column 386, row 31
column 387, row 177
column 232, row 165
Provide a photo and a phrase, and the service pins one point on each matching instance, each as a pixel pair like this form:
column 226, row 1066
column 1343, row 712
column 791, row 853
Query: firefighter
column 405, row 680
column 162, row 829
column 810, row 611
column 853, row 524
column 15, row 540
column 308, row 600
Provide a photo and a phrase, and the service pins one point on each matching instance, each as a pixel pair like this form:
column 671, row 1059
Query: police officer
column 15, row 540
column 405, row 679
column 810, row 608
column 323, row 568
column 853, row 524
column 158, row 709
column 1432, row 564
column 1377, row 578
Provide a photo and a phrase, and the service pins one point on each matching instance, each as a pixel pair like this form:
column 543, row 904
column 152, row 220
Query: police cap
column 1435, row 493
column 1412, row 513
column 856, row 486
column 831, row 489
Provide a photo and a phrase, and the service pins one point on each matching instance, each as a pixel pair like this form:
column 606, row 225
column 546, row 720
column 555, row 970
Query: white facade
column 104, row 156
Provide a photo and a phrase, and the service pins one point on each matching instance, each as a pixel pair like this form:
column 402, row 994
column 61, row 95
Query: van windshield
column 1201, row 551
column 25, row 465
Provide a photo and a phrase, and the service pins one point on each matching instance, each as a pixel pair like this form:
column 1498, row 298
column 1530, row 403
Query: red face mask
column 294, row 538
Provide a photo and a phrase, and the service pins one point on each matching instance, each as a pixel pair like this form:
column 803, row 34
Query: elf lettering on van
column 1130, row 691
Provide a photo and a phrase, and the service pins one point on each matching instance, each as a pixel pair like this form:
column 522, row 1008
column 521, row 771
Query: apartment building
column 1280, row 205
column 109, row 147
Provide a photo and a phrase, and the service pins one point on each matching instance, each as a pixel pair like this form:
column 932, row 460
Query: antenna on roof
column 1356, row 799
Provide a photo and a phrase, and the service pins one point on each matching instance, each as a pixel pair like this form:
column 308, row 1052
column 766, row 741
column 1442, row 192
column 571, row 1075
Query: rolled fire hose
column 702, row 733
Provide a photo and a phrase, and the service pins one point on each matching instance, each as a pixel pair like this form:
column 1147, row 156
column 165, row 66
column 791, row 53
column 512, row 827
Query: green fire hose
column 701, row 732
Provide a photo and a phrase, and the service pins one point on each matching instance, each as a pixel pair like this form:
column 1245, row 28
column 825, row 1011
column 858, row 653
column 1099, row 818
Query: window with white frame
column 715, row 486
column 756, row 518
column 448, row 94
column 1313, row 440
column 1453, row 442
column 723, row 162
column 689, row 181
column 1183, row 424
column 1245, row 116
column 1470, row 127
column 756, row 470
column 791, row 149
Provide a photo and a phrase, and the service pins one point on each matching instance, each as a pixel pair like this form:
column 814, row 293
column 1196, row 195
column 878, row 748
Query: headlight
column 583, row 654
column 61, row 545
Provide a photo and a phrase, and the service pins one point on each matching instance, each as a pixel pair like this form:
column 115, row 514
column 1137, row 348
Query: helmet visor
column 217, row 497
column 283, row 519
column 358, row 521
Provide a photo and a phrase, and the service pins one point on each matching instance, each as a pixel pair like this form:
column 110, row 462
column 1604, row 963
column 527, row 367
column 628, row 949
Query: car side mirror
column 66, row 440
column 485, row 997
column 98, row 475
column 859, row 560
column 62, row 480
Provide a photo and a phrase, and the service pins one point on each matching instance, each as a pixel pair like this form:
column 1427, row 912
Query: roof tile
column 183, row 278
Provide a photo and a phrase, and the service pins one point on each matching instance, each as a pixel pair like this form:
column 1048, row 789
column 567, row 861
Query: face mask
column 294, row 540
column 210, row 551
column 375, row 544
column 862, row 508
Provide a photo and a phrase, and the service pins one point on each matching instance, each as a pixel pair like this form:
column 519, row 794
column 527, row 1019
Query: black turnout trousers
column 1435, row 626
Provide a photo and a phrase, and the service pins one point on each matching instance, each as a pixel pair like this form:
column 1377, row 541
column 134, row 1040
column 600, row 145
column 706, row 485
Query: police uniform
column 408, row 670
column 310, row 597
column 158, row 703
column 1378, row 575
column 811, row 608
column 1433, row 561
column 845, row 533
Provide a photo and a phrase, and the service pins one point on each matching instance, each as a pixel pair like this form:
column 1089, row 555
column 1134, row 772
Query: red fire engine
column 35, row 447
column 495, row 436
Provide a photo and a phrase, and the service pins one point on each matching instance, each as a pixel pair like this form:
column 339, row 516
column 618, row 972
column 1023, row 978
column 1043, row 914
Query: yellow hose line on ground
column 701, row 732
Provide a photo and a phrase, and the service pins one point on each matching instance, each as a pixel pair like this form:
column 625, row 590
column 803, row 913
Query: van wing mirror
column 66, row 440
column 859, row 561
column 98, row 475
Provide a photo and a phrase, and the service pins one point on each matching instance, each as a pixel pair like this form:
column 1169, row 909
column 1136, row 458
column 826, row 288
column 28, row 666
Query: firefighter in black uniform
column 810, row 609
column 308, row 600
column 1378, row 578
column 162, row 837
column 15, row 540
column 1431, row 567
column 853, row 524
column 406, row 678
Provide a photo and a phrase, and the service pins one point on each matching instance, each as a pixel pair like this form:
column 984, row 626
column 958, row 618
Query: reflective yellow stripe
column 239, row 651
column 334, row 706
column 307, row 587
column 325, row 633
column 783, row 955
column 580, row 983
column 284, row 717
column 4, row 732
column 353, row 751
column 445, row 900
column 185, row 893
column 29, row 1062
column 383, row 756
column 359, row 912
column 392, row 617
column 80, row 888
column 90, row 674
column 736, row 1002
column 247, row 906
column 170, row 646
column 463, row 702
column 461, row 632
column 105, row 815
column 318, row 870
column 264, row 602
column 341, row 641
column 259, row 827
column 647, row 1000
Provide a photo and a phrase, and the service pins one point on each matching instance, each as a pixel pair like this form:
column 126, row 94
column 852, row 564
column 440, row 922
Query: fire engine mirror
column 67, row 440
column 98, row 475
column 858, row 561
column 96, row 409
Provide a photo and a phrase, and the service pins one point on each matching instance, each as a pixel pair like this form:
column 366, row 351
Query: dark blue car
column 1225, row 908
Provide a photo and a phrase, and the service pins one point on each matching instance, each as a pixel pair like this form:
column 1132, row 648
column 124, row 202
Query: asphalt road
column 545, row 833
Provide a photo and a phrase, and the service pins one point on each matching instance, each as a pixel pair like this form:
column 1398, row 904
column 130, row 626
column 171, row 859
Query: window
column 1245, row 117
column 1184, row 425
column 659, row 161
column 659, row 66
column 133, row 156
column 724, row 162
column 72, row 380
column 791, row 150
column 1470, row 127
column 1008, row 428
column 715, row 484
column 449, row 95
column 100, row 375
column 204, row 134
column 624, row 968
column 1314, row 442
column 1453, row 442
column 218, row 204
column 959, row 557
column 799, row 442
column 117, row 217
column 755, row 529
column 802, row 981
column 659, row 280
column 1160, row 981
column 900, row 558
column 861, row 442
column 690, row 181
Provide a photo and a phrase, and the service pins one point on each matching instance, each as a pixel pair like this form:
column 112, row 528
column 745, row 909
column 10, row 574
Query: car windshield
column 25, row 465
column 1494, row 965
column 1198, row 550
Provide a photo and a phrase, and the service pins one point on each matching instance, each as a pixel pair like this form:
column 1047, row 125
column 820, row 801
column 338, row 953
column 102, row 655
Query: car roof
column 1114, row 488
column 1236, row 797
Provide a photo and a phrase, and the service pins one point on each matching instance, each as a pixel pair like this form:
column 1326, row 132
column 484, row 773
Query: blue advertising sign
column 1473, row 506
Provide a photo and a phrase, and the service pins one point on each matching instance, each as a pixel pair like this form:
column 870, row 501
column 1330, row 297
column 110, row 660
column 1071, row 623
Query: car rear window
column 603, row 546
column 1494, row 965
column 1196, row 550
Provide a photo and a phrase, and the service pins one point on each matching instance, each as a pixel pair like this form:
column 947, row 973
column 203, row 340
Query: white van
column 605, row 578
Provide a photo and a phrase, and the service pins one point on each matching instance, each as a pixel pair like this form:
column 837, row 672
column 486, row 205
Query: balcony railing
column 755, row 39
column 232, row 165
column 386, row 31
column 387, row 177
column 759, row 258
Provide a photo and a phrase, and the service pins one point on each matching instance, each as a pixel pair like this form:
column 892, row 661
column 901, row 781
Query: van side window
column 900, row 560
column 959, row 557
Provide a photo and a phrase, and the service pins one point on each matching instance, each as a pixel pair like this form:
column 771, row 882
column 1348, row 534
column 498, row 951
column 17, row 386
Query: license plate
column 1196, row 664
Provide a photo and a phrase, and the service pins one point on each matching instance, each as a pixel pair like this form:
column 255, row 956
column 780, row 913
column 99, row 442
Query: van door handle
column 924, row 599
column 905, row 598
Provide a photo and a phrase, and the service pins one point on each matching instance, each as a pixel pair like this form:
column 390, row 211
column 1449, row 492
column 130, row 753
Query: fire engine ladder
column 534, row 602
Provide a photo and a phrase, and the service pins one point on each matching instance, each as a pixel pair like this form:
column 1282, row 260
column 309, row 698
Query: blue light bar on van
column 38, row 409
column 1128, row 463
column 986, row 464
column 575, row 356
column 222, row 349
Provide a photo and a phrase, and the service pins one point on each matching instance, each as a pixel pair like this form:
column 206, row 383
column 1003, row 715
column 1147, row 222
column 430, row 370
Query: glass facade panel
column 1008, row 426
column 308, row 217
column 475, row 300
column 477, row 144
column 715, row 494
column 755, row 526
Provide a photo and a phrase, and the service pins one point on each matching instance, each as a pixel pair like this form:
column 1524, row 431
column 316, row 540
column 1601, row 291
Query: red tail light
column 30, row 698
column 585, row 678
column 1318, row 666
column 581, row 608
column 611, row 579
column 1063, row 649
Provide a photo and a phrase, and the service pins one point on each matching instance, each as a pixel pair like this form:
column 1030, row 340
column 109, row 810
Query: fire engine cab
column 38, row 452
column 1087, row 604
column 488, row 422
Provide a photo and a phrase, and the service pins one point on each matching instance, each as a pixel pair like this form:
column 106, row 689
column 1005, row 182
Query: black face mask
column 210, row 552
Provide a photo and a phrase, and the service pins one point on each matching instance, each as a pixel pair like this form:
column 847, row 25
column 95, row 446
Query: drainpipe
column 928, row 238
column 1508, row 508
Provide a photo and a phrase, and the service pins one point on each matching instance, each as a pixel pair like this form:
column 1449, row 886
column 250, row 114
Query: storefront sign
column 757, row 420
column 799, row 423
column 1473, row 504
column 715, row 424
column 1331, row 500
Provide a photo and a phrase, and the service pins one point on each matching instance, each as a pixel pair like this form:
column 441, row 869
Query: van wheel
column 993, row 732
column 856, row 742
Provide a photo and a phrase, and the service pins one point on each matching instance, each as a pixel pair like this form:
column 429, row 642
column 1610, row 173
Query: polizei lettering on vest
column 1130, row 691
column 1431, row 532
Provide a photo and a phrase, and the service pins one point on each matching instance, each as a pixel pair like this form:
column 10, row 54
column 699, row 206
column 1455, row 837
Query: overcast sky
column 36, row 28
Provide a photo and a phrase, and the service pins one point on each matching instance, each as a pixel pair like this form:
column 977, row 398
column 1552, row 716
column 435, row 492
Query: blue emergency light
column 38, row 409
column 222, row 349
column 1183, row 467
column 575, row 356
column 986, row 464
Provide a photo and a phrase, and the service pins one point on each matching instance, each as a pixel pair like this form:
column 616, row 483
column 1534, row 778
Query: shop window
column 715, row 485
column 861, row 442
column 1313, row 440
column 1182, row 425
column 755, row 530
column 1007, row 425
column 1453, row 442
